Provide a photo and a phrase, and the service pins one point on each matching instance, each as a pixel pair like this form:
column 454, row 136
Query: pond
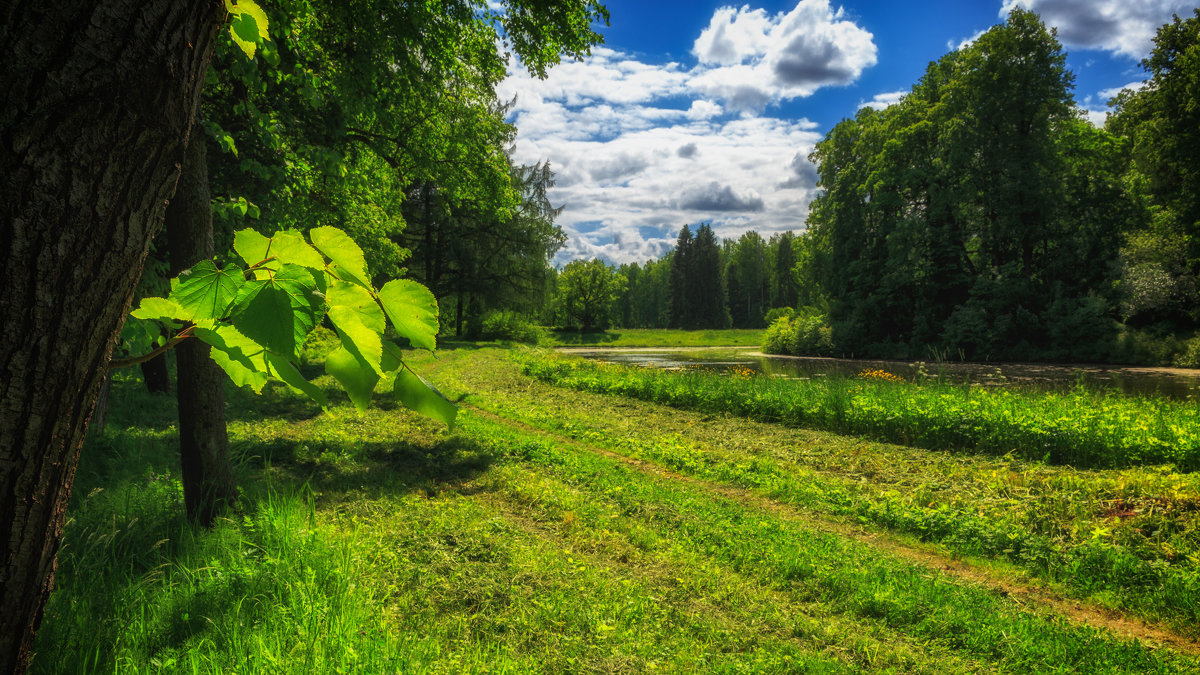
column 1171, row 382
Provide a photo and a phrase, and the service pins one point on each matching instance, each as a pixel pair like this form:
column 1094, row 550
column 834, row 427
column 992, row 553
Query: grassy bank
column 659, row 337
column 1083, row 428
column 379, row 543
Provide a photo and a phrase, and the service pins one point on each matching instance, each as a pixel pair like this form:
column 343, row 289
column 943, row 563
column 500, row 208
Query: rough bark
column 208, row 479
column 99, row 101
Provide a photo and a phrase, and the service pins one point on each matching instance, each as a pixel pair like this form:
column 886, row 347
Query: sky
column 698, row 111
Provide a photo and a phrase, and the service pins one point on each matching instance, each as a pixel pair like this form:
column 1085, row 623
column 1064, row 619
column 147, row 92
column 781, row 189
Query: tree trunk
column 208, row 481
column 154, row 373
column 99, row 101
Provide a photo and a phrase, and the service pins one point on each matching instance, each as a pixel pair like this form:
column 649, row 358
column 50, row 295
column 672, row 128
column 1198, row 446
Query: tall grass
column 1083, row 428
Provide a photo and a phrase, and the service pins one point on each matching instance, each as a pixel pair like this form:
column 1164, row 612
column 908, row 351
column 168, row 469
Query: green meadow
column 564, row 527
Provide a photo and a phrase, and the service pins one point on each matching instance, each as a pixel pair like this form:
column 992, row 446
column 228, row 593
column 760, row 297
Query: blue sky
column 706, row 112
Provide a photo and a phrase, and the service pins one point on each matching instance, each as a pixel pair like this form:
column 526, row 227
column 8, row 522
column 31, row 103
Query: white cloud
column 1112, row 93
column 965, row 42
column 881, row 101
column 641, row 149
column 1122, row 26
column 750, row 59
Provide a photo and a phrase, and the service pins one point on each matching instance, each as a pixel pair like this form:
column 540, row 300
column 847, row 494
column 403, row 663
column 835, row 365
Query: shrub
column 510, row 325
column 776, row 313
column 805, row 334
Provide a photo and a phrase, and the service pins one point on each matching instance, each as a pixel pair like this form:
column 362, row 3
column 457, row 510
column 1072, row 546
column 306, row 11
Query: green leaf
column 413, row 311
column 347, row 257
column 205, row 292
column 158, row 309
column 249, row 26
column 240, row 357
column 289, row 246
column 279, row 312
column 286, row 371
column 356, row 377
column 359, row 322
column 251, row 245
column 417, row 394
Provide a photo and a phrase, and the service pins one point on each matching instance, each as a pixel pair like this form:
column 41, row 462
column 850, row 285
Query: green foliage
column 1161, row 123
column 257, row 319
column 806, row 333
column 776, row 313
column 510, row 325
column 248, row 26
column 929, row 234
column 586, row 292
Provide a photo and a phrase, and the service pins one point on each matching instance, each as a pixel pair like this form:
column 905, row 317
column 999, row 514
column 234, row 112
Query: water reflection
column 1173, row 383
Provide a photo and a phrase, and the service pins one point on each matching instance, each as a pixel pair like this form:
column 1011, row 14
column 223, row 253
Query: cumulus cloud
column 750, row 59
column 718, row 198
column 1122, row 26
column 640, row 149
column 802, row 174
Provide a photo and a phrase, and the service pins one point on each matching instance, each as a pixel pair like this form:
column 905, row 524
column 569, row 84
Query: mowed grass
column 659, row 337
column 380, row 543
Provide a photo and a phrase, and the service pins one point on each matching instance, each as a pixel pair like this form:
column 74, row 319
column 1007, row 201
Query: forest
column 287, row 380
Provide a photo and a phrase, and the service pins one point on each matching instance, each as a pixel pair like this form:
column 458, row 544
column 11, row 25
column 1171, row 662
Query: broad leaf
column 285, row 371
column 416, row 394
column 279, row 312
column 205, row 292
column 252, row 246
column 356, row 377
column 347, row 257
column 248, row 26
column 413, row 311
column 240, row 357
column 289, row 247
column 359, row 321
column 158, row 309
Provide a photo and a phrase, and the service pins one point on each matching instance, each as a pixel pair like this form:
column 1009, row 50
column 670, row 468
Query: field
column 564, row 530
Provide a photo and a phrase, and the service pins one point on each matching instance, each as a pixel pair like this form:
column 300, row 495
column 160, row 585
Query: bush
column 777, row 313
column 509, row 325
column 805, row 334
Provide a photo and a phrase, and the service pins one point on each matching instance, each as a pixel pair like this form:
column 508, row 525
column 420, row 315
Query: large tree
column 94, row 129
column 100, row 102
column 942, row 222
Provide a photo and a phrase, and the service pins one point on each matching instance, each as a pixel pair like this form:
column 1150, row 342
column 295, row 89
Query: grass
column 658, row 337
column 379, row 543
column 1085, row 428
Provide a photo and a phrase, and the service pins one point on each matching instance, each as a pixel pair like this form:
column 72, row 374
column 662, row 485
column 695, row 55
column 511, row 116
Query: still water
column 1174, row 383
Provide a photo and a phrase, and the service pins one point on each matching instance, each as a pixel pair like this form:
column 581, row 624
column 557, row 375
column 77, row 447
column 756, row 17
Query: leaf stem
column 135, row 360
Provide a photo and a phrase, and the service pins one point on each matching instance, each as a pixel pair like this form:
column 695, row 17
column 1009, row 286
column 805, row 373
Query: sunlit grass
column 379, row 544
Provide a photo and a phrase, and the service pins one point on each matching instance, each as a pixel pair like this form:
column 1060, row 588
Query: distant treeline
column 980, row 217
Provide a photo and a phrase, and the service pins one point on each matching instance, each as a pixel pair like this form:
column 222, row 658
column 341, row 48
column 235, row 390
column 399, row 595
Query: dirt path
column 1024, row 592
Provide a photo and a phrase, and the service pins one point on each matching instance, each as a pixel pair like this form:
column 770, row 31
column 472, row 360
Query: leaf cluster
column 257, row 314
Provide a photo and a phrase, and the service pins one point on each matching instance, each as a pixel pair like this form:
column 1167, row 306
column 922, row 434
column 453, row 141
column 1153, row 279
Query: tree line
column 702, row 282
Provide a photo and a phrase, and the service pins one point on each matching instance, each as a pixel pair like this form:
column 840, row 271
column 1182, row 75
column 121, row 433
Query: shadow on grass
column 134, row 573
column 348, row 470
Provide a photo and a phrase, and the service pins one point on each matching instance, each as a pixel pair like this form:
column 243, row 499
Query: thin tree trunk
column 154, row 373
column 209, row 486
column 99, row 101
